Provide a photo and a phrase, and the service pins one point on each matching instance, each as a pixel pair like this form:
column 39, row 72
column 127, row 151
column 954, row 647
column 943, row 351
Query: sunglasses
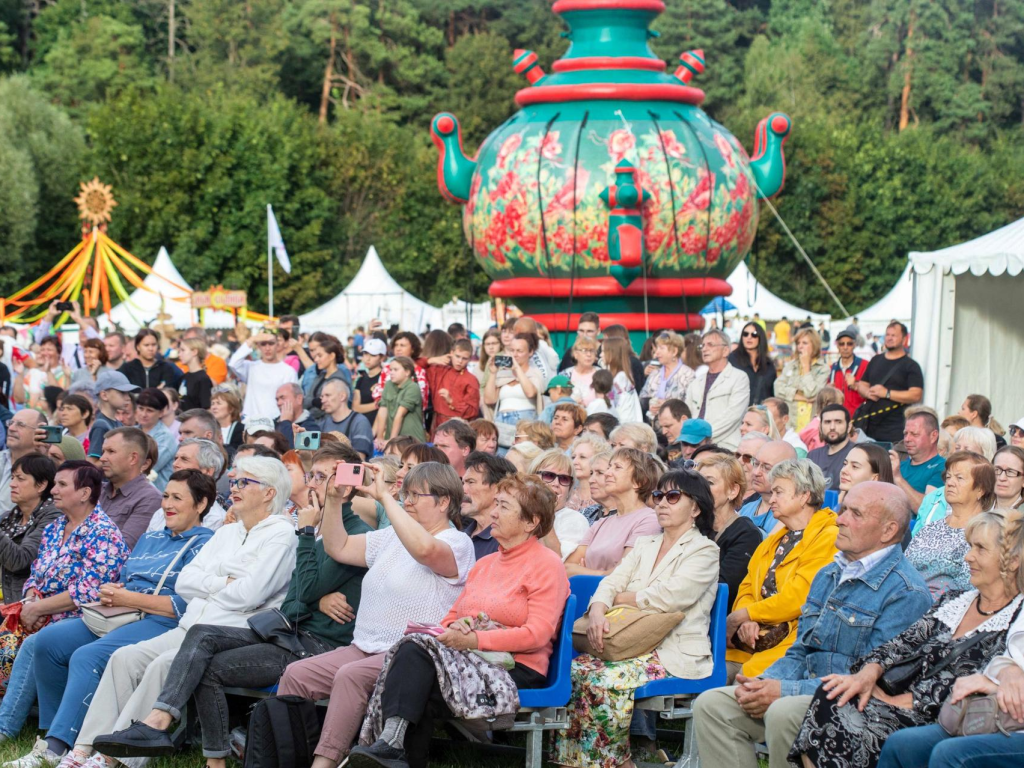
column 745, row 458
column 549, row 477
column 751, row 335
column 672, row 497
column 1016, row 431
column 844, row 343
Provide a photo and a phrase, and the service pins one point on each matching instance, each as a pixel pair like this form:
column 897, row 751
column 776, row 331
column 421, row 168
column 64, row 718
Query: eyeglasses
column 1008, row 472
column 844, row 343
column 239, row 483
column 745, row 458
column 406, row 496
column 549, row 477
column 672, row 497
column 763, row 466
column 316, row 478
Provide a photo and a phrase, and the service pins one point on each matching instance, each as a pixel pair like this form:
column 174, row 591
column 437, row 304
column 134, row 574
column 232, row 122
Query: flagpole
column 270, row 265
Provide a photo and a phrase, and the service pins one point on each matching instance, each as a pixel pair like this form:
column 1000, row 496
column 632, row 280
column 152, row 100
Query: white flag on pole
column 276, row 242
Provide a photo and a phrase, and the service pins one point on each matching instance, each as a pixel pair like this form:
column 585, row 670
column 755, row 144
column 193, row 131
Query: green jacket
column 316, row 574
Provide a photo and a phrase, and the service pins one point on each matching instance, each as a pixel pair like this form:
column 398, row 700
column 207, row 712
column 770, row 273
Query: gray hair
column 719, row 334
column 294, row 388
column 598, row 443
column 210, row 455
column 336, row 382
column 271, row 472
column 983, row 440
column 204, row 417
column 439, row 480
column 805, row 475
column 760, row 437
column 641, row 434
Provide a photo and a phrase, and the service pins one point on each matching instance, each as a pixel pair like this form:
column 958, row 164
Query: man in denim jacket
column 867, row 596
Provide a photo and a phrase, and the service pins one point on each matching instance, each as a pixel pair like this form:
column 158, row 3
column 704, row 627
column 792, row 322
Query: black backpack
column 283, row 733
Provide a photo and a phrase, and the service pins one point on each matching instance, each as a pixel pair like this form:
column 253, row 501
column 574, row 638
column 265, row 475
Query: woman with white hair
column 584, row 448
column 634, row 435
column 245, row 568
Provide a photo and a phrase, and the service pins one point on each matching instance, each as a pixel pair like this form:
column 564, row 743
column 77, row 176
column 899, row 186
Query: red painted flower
column 726, row 149
column 692, row 241
column 550, row 148
column 700, row 198
column 742, row 188
column 599, row 243
column 713, row 255
column 653, row 238
column 562, row 201
column 511, row 145
column 673, row 148
column 508, row 185
column 562, row 240
column 620, row 142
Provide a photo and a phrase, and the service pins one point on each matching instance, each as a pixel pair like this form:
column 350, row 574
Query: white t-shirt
column 512, row 398
column 793, row 439
column 261, row 383
column 570, row 528
column 397, row 589
column 625, row 399
column 598, row 406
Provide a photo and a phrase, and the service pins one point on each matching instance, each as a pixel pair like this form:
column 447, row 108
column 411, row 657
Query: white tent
column 142, row 307
column 897, row 304
column 373, row 293
column 967, row 330
column 749, row 296
column 476, row 317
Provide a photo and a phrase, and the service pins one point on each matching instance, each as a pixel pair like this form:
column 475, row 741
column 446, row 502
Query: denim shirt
column 842, row 622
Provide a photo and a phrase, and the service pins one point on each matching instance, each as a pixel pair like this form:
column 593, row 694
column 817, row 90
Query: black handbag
column 898, row 678
column 275, row 628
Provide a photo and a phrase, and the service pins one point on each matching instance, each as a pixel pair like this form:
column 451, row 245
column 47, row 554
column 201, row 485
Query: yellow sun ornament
column 96, row 202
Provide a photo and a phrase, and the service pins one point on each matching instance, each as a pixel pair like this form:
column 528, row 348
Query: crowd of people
column 407, row 511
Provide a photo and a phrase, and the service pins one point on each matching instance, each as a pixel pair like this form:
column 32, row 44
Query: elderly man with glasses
column 720, row 393
column 21, row 440
column 767, row 456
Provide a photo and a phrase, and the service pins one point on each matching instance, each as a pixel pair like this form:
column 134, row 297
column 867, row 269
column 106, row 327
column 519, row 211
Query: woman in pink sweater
column 519, row 592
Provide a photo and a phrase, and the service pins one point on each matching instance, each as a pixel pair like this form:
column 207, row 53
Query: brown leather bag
column 977, row 715
column 632, row 632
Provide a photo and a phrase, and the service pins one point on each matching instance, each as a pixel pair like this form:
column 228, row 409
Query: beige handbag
column 632, row 632
column 977, row 715
column 102, row 619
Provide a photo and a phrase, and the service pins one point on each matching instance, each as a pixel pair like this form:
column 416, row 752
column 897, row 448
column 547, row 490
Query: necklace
column 977, row 605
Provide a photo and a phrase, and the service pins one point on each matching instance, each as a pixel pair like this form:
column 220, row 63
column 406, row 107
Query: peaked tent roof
column 749, row 296
column 994, row 253
column 373, row 293
column 143, row 306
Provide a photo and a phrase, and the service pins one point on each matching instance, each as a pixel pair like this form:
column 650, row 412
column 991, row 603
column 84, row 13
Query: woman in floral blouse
column 80, row 550
column 670, row 379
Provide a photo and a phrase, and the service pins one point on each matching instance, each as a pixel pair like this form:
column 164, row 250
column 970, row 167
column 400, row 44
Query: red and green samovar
column 611, row 190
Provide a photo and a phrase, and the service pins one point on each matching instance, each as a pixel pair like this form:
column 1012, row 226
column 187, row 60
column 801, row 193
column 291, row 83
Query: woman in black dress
column 851, row 716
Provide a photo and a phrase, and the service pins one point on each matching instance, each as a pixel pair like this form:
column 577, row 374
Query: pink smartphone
column 348, row 475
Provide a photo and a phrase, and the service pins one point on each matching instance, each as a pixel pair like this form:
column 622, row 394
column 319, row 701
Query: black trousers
column 411, row 692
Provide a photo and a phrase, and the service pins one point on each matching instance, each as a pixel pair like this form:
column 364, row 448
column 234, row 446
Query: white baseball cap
column 375, row 347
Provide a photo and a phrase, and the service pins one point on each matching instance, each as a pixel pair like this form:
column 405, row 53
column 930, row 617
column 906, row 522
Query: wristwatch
column 888, row 394
column 307, row 530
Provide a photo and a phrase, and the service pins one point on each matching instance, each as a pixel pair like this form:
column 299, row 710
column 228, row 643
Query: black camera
column 65, row 306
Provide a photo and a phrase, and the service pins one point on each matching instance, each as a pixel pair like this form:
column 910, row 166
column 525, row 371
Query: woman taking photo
column 21, row 527
column 196, row 386
column 555, row 469
column 1009, row 469
column 937, row 550
column 751, row 357
column 417, row 569
column 802, row 378
column 673, row 571
column 521, row 589
column 630, row 479
column 737, row 537
column 490, row 346
column 584, row 449
column 763, row 621
column 581, row 374
column 514, row 393
column 401, row 406
column 851, row 717
column 867, row 461
column 226, row 408
column 670, row 379
column 70, row 658
column 149, row 368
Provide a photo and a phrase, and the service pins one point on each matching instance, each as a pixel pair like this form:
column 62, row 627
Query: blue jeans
column 71, row 663
column 21, row 689
column 928, row 746
column 514, row 417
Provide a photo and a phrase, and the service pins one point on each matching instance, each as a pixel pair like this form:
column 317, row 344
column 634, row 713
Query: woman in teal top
column 401, row 405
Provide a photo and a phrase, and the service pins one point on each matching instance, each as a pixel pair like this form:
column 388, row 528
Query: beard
column 831, row 439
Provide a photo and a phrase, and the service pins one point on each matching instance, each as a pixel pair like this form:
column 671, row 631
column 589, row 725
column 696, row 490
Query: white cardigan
column 260, row 561
column 685, row 580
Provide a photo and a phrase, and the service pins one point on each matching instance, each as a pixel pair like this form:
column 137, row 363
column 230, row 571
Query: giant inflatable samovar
column 610, row 190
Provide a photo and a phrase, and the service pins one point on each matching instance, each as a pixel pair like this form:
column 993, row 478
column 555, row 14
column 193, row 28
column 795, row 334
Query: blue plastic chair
column 832, row 500
column 559, row 687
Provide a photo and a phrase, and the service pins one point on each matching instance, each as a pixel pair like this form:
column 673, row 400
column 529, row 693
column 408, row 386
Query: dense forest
column 908, row 129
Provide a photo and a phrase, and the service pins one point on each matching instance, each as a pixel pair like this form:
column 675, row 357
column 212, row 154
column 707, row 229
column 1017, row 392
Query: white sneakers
column 39, row 757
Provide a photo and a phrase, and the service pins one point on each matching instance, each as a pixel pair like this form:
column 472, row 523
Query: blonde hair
column 829, row 395
column 1009, row 524
column 671, row 339
column 640, row 434
column 811, row 334
column 198, row 346
column 389, row 466
column 731, row 471
column 553, row 460
column 538, row 433
column 583, row 342
column 981, row 438
column 766, row 416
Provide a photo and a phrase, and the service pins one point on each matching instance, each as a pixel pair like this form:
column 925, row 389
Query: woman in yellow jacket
column 763, row 621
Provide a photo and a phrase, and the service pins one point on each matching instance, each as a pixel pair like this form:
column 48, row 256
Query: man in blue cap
column 693, row 434
column 113, row 391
